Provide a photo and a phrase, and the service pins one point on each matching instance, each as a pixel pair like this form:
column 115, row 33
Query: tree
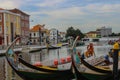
column 113, row 34
column 74, row 33
column 118, row 34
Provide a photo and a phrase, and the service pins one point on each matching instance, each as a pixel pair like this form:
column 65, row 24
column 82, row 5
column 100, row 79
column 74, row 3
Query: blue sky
column 86, row 15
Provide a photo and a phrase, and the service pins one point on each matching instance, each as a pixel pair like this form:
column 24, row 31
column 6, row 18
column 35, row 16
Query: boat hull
column 31, row 73
column 43, row 76
column 97, row 76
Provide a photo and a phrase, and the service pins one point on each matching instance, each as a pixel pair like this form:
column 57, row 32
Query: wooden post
column 115, row 61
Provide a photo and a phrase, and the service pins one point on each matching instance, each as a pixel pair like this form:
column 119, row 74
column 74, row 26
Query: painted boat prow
column 32, row 74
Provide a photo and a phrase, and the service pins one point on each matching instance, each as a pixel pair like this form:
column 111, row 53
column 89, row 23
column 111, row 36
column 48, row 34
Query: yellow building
column 92, row 34
column 11, row 26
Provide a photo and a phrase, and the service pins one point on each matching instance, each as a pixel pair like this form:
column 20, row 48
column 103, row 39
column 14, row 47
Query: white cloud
column 50, row 3
column 8, row 4
column 103, row 8
column 67, row 13
column 72, row 12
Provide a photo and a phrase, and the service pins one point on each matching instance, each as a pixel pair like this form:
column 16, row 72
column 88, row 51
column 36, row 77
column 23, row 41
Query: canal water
column 45, row 55
column 48, row 56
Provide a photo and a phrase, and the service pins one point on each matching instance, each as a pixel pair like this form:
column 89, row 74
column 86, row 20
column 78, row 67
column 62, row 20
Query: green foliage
column 74, row 33
column 118, row 34
column 114, row 34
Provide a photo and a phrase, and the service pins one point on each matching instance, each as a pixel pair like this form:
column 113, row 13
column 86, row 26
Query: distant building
column 92, row 34
column 53, row 36
column 9, row 26
column 62, row 36
column 24, row 23
column 104, row 32
column 38, row 34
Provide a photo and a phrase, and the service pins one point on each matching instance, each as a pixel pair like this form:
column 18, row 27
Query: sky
column 86, row 15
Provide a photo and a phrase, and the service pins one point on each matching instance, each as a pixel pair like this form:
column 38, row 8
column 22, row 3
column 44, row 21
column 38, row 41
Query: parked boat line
column 88, row 72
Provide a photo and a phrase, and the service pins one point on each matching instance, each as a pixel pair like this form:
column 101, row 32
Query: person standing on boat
column 90, row 50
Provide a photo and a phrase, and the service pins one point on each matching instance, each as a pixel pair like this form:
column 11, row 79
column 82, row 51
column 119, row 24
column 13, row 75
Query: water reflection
column 48, row 55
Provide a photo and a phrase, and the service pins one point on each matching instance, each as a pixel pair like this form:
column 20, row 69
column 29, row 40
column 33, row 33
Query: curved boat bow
column 28, row 73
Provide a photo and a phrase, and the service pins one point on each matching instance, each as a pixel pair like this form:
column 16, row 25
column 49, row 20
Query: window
column 0, row 28
column 30, row 34
column 42, row 34
column 15, row 18
column 34, row 34
column 0, row 17
column 34, row 40
column 22, row 24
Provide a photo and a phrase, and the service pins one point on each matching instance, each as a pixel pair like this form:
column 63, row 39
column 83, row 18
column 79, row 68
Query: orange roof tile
column 36, row 28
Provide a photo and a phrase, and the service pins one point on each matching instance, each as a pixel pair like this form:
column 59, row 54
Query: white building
column 38, row 34
column 53, row 36
column 62, row 36
column 104, row 32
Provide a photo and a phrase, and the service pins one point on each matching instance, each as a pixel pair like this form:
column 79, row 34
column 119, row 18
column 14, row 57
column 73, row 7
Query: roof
column 36, row 28
column 62, row 33
column 18, row 11
column 92, row 32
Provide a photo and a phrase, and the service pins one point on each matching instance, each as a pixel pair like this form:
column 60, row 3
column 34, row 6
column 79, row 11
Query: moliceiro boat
column 91, row 68
column 94, row 68
column 89, row 73
column 32, row 73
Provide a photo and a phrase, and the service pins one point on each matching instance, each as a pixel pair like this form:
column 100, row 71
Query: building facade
column 38, row 34
column 9, row 26
column 104, row 32
column 53, row 36
column 62, row 36
column 24, row 19
column 92, row 34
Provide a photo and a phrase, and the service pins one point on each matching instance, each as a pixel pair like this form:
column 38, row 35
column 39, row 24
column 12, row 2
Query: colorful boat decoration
column 45, row 68
column 97, row 68
column 31, row 74
column 100, row 64
column 88, row 73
